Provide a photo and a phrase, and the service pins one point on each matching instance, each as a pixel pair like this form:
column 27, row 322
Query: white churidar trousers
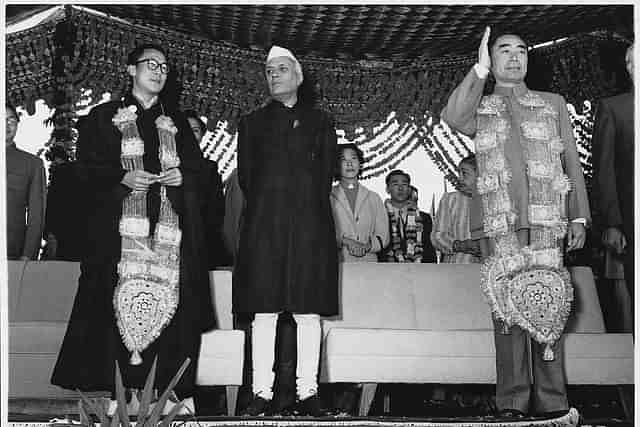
column 263, row 340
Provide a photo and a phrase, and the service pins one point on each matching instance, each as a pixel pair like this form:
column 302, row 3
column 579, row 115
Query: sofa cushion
column 415, row 356
column 221, row 358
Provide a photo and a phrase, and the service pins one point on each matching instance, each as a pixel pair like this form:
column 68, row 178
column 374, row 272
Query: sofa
column 428, row 323
column 41, row 296
column 398, row 323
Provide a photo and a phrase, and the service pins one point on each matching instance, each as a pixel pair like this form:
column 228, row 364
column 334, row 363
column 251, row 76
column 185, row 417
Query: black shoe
column 284, row 406
column 510, row 413
column 258, row 406
column 312, row 407
column 347, row 402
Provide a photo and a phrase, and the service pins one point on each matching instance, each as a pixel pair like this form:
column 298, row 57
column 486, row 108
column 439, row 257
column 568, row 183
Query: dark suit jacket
column 613, row 152
column 25, row 203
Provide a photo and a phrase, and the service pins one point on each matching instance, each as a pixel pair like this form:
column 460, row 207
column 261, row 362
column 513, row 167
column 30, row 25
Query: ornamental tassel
column 136, row 359
column 548, row 355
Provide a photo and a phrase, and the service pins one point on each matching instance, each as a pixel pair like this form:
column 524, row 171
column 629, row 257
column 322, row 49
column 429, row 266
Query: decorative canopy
column 364, row 64
column 374, row 32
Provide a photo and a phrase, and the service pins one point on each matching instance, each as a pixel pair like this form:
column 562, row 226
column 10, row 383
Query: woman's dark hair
column 340, row 153
column 136, row 53
column 191, row 114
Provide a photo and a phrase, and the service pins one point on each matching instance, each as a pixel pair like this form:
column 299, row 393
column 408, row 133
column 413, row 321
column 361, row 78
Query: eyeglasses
column 154, row 65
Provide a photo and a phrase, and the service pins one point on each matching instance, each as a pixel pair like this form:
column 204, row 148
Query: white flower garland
column 147, row 293
column 526, row 286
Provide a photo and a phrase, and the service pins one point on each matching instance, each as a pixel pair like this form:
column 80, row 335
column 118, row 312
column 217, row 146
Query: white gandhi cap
column 277, row 51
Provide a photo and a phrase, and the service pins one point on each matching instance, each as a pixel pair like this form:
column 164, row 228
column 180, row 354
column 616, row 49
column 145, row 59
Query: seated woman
column 362, row 226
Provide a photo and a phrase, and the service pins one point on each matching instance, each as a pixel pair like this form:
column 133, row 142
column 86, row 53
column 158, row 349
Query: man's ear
column 387, row 188
column 131, row 70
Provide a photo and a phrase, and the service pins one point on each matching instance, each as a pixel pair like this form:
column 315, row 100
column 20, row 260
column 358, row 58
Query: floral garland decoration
column 146, row 296
column 526, row 285
column 406, row 233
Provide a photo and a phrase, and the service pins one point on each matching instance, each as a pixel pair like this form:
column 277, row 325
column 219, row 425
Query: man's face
column 12, row 125
column 398, row 188
column 146, row 80
column 282, row 78
column 468, row 176
column 349, row 164
column 628, row 58
column 509, row 59
column 195, row 127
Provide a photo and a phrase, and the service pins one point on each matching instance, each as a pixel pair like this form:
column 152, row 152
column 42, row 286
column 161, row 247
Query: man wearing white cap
column 287, row 259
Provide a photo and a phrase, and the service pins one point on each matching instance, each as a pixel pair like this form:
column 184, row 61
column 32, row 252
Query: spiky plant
column 144, row 418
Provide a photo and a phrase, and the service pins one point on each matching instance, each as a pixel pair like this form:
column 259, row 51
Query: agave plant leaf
column 115, row 421
column 157, row 410
column 166, row 422
column 102, row 414
column 147, row 394
column 85, row 419
column 121, row 409
column 94, row 408
column 85, row 401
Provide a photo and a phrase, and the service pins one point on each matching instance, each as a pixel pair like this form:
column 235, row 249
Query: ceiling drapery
column 397, row 99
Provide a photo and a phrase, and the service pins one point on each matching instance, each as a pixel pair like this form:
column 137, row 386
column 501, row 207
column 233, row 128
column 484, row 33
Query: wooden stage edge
column 571, row 419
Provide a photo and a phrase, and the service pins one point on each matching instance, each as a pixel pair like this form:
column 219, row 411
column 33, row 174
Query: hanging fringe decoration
column 396, row 101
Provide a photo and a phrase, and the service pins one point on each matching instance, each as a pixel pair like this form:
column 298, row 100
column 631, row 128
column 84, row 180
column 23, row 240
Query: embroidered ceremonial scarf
column 406, row 228
column 147, row 293
column 527, row 285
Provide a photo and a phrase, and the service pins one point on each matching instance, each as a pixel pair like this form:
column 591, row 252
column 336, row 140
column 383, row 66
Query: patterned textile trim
column 525, row 286
column 147, row 293
column 570, row 419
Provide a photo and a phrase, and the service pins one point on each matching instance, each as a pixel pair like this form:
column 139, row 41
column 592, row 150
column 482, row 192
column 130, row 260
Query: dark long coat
column 287, row 259
column 613, row 172
column 613, row 148
column 92, row 341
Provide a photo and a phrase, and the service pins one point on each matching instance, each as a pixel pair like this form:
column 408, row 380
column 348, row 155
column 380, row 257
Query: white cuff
column 582, row 221
column 481, row 71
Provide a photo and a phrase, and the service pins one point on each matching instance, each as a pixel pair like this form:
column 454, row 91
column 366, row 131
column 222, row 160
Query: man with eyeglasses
column 138, row 146
column 25, row 195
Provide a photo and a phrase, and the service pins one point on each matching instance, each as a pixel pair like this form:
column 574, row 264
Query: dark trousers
column 524, row 380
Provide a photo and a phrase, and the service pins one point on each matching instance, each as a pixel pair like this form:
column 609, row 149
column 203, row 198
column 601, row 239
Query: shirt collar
column 129, row 99
column 514, row 91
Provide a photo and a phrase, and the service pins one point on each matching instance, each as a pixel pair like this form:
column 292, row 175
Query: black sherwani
column 287, row 259
column 92, row 341
column 67, row 225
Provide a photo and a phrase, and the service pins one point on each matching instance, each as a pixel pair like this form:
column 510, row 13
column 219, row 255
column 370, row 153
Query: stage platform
column 571, row 419
column 590, row 412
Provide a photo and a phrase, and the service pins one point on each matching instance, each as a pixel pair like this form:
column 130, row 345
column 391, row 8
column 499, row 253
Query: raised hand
column 484, row 58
